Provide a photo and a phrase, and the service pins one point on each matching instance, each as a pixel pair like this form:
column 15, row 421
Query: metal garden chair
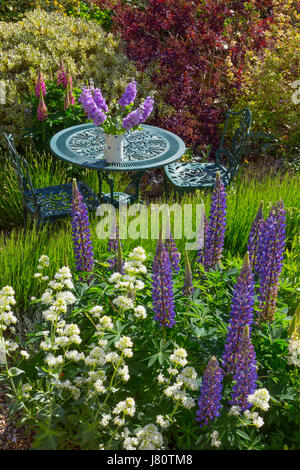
column 46, row 204
column 195, row 175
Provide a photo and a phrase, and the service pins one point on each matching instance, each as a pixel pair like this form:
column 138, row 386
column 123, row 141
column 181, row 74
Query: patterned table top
column 151, row 147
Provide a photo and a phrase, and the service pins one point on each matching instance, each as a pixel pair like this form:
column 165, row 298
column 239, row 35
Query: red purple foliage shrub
column 189, row 48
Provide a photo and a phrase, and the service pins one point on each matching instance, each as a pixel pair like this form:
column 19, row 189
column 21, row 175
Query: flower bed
column 143, row 352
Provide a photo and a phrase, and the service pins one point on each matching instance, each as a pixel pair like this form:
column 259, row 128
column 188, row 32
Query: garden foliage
column 42, row 39
column 96, row 370
column 267, row 81
column 194, row 52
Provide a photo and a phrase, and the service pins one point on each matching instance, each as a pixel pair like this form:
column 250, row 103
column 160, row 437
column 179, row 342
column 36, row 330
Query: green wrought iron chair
column 46, row 204
column 195, row 175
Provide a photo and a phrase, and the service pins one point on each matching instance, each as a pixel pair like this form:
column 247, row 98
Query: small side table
column 151, row 147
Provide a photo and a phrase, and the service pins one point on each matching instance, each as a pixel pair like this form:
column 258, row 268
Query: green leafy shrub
column 41, row 39
column 268, row 79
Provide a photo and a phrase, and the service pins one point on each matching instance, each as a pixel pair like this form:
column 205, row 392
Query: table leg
column 110, row 182
column 136, row 179
column 100, row 185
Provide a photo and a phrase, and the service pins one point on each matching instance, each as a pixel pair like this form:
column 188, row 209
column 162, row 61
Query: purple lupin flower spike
column 213, row 245
column 254, row 235
column 188, row 288
column 162, row 287
column 62, row 77
column 173, row 252
column 209, row 403
column 245, row 372
column 202, row 236
column 269, row 260
column 42, row 112
column 241, row 314
column 129, row 95
column 40, row 85
column 81, row 234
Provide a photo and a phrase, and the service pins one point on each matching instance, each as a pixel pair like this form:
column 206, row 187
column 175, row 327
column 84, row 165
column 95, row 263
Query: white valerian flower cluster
column 62, row 280
column 66, row 385
column 135, row 264
column 254, row 417
column 260, row 399
column 96, row 311
column 105, row 420
column 128, row 284
column 164, row 423
column 125, row 345
column 123, row 302
column 7, row 320
column 26, row 388
column 149, row 438
column 215, row 441
column 179, row 357
column 43, row 263
column 130, row 443
column 127, row 407
column 7, row 299
column 140, row 312
column 235, row 410
column 294, row 351
column 56, row 297
column 25, row 354
column 186, row 379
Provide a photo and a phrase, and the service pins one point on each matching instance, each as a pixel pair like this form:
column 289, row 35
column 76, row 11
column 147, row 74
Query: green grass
column 19, row 251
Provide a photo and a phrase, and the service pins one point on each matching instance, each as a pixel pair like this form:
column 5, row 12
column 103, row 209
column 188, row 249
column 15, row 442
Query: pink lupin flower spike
column 40, row 85
column 42, row 112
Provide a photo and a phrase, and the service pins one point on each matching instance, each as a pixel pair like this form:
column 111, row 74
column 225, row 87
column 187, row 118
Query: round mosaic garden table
column 145, row 149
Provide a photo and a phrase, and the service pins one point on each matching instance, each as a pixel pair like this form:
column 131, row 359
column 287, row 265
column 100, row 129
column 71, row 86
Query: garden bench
column 188, row 176
column 50, row 203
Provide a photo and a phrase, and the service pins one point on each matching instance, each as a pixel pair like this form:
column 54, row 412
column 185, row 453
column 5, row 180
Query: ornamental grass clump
column 245, row 372
column 241, row 315
column 269, row 260
column 81, row 234
column 162, row 287
column 209, row 403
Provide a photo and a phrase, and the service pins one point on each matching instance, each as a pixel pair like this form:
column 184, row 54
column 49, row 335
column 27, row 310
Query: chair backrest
column 239, row 139
column 23, row 175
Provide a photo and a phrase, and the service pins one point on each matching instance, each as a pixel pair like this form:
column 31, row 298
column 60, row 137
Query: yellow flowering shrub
column 269, row 78
column 13, row 8
column 41, row 39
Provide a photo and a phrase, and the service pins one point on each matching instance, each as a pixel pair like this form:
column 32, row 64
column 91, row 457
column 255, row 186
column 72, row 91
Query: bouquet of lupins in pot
column 121, row 119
